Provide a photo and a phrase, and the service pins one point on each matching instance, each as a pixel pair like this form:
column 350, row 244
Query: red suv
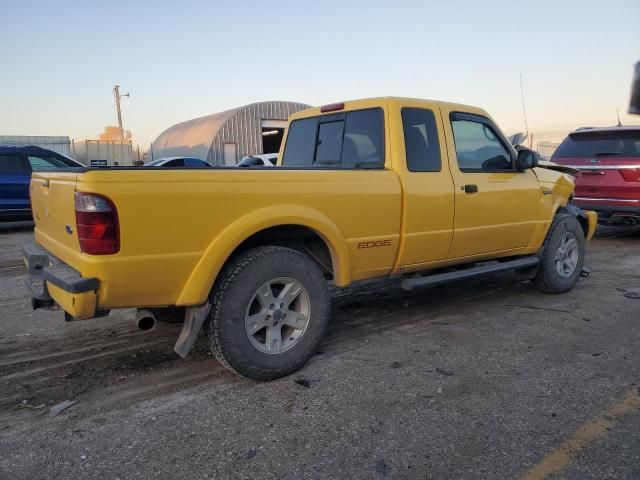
column 609, row 164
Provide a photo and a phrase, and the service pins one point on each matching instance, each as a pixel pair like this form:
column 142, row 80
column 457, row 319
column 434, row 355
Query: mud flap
column 193, row 320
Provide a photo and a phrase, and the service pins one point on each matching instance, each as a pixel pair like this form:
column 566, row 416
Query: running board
column 447, row 277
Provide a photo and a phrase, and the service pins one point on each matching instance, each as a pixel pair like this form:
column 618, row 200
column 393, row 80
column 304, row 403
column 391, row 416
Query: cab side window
column 42, row 163
column 421, row 142
column 11, row 165
column 479, row 148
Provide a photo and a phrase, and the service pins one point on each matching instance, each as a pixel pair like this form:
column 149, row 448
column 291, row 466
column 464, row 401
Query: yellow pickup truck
column 429, row 191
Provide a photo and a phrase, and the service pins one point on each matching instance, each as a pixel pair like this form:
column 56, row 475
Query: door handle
column 470, row 188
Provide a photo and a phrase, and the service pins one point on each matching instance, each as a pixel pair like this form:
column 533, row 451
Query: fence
column 546, row 149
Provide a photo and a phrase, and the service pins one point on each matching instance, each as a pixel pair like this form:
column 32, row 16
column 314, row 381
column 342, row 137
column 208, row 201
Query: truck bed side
column 178, row 227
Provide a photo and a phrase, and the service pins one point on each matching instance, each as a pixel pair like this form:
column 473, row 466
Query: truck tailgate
column 52, row 202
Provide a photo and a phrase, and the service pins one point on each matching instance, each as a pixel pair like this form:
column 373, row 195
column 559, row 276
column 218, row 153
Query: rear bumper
column 50, row 280
column 610, row 208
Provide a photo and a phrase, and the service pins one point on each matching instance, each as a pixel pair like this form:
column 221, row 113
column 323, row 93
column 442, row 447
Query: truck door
column 496, row 206
column 427, row 186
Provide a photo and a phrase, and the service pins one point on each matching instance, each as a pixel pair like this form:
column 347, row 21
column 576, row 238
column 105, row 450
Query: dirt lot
column 483, row 379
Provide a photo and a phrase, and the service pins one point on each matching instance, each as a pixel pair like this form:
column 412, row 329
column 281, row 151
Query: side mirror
column 526, row 159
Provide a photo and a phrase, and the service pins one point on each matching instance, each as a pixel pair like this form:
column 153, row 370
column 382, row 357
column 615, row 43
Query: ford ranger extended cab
column 425, row 190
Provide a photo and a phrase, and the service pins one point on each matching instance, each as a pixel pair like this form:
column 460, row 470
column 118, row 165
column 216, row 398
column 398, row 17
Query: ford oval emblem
column 68, row 229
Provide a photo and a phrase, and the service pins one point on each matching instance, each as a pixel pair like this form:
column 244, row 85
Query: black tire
column 231, row 298
column 548, row 279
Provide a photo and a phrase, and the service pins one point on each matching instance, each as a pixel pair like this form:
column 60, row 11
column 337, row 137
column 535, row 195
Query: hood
column 558, row 168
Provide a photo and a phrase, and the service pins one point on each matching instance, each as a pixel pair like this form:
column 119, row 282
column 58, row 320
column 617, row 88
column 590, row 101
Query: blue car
column 16, row 165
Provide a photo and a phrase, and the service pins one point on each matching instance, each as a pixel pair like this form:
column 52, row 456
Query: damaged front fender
column 587, row 218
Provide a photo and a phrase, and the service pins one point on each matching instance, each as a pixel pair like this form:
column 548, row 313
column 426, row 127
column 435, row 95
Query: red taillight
column 97, row 224
column 332, row 107
column 630, row 174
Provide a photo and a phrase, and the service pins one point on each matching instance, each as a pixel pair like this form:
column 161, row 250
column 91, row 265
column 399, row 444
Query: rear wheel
column 562, row 256
column 270, row 309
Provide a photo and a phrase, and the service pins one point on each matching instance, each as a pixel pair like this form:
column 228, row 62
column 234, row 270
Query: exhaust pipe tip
column 145, row 320
column 631, row 221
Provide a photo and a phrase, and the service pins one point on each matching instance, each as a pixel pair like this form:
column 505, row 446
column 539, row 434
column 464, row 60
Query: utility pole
column 117, row 96
column 524, row 112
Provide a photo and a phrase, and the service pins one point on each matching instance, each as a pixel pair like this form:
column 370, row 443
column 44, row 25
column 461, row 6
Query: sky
column 184, row 59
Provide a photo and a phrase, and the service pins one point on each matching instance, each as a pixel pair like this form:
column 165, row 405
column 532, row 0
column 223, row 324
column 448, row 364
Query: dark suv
column 609, row 164
column 16, row 165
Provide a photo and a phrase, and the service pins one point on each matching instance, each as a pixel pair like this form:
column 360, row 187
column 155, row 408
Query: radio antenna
column 618, row 113
column 524, row 111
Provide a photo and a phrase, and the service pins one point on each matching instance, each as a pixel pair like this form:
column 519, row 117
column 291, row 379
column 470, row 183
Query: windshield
column 589, row 145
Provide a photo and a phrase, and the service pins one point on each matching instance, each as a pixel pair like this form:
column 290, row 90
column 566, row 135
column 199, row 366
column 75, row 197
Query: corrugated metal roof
column 58, row 144
column 205, row 137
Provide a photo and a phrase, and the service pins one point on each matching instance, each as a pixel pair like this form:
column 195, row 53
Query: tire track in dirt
column 12, row 268
column 108, row 363
column 122, row 365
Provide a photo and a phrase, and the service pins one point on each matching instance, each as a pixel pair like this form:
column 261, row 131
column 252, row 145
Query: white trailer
column 103, row 153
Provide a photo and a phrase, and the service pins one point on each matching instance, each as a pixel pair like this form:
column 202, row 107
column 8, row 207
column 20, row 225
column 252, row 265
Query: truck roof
column 619, row 128
column 380, row 101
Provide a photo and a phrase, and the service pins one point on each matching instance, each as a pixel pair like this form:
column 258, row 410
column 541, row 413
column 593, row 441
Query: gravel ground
column 482, row 379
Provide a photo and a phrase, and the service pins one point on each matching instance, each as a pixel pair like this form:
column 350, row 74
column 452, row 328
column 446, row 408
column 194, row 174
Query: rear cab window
column 479, row 146
column 329, row 143
column 349, row 140
column 585, row 144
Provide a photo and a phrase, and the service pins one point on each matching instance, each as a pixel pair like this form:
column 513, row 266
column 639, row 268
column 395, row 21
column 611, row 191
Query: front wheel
column 561, row 256
column 270, row 310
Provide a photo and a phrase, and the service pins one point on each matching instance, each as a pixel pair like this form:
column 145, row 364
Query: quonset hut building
column 224, row 138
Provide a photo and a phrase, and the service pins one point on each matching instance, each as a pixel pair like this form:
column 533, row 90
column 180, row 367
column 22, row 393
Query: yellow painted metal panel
column 593, row 223
column 178, row 227
column 502, row 214
column 427, row 197
column 79, row 305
